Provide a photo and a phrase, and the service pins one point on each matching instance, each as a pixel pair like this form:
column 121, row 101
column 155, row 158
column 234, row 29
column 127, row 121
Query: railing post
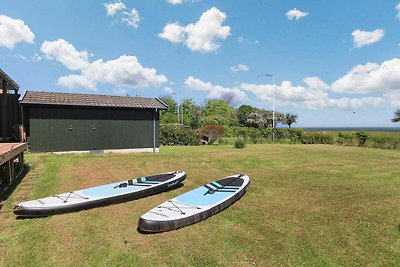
column 4, row 124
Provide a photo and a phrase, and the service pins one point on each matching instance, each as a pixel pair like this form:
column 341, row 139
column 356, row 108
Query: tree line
column 221, row 112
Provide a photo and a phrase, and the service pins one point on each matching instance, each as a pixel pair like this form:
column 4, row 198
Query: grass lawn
column 306, row 205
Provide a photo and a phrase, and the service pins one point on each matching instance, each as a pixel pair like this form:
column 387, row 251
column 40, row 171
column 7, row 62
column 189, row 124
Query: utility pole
column 178, row 115
column 182, row 115
column 273, row 101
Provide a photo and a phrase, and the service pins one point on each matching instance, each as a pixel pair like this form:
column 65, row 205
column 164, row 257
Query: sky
column 334, row 63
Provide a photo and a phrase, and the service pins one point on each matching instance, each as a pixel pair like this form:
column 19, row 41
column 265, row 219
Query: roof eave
column 10, row 81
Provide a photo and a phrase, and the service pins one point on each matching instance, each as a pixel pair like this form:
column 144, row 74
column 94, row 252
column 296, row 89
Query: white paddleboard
column 99, row 195
column 195, row 205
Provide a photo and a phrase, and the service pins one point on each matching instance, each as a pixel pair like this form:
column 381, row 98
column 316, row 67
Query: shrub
column 228, row 131
column 379, row 142
column 254, row 135
column 317, row 138
column 173, row 134
column 383, row 142
column 295, row 135
column 213, row 132
column 362, row 137
column 239, row 144
column 291, row 135
column 346, row 139
column 242, row 132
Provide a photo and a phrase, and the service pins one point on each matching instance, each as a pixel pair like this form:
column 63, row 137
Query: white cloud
column 14, row 31
column 214, row 91
column 169, row 90
column 370, row 78
column 179, row 2
column 36, row 57
column 173, row 32
column 398, row 11
column 377, row 83
column 239, row 67
column 374, row 78
column 123, row 71
column 77, row 81
column 361, row 38
column 295, row 14
column 19, row 56
column 200, row 36
column 65, row 53
column 315, row 83
column 131, row 18
column 113, row 8
column 124, row 15
column 289, row 95
column 121, row 91
column 175, row 2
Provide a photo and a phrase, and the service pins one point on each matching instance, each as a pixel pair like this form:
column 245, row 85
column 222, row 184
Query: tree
column 396, row 116
column 229, row 98
column 290, row 118
column 271, row 117
column 217, row 111
column 169, row 115
column 256, row 120
column 191, row 113
column 243, row 112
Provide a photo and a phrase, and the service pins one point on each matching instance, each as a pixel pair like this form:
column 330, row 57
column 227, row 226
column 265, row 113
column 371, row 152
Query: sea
column 343, row 129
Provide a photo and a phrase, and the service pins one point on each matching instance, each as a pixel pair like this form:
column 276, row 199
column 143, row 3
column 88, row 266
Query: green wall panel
column 68, row 129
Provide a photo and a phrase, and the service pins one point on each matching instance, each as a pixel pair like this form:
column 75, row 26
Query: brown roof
column 66, row 99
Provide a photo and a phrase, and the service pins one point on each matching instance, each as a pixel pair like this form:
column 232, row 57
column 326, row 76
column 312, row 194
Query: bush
column 362, row 137
column 317, row 138
column 383, row 142
column 346, row 139
column 173, row 134
column 242, row 132
column 228, row 131
column 239, row 144
column 295, row 135
column 213, row 132
column 254, row 135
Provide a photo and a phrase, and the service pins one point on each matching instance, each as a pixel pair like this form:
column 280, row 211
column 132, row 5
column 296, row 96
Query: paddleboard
column 195, row 205
column 99, row 195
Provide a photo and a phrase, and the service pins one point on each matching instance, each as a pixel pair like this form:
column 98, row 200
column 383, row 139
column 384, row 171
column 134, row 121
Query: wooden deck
column 11, row 155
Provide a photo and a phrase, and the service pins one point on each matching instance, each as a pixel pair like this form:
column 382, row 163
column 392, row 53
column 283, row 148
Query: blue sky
column 335, row 63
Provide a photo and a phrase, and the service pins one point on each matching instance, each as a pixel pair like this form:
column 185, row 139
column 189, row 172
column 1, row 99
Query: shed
column 65, row 122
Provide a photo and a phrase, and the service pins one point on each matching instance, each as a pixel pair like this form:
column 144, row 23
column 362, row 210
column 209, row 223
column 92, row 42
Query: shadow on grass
column 7, row 189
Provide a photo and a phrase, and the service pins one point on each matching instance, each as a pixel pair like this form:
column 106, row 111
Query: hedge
column 173, row 134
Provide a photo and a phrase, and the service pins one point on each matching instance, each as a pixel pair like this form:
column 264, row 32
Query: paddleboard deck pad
column 100, row 195
column 195, row 205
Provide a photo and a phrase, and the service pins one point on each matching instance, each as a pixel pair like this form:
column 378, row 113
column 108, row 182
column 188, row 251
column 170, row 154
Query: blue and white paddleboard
column 99, row 195
column 195, row 205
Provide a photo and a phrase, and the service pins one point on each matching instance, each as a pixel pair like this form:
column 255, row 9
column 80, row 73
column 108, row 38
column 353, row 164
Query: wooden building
column 9, row 109
column 63, row 122
column 11, row 149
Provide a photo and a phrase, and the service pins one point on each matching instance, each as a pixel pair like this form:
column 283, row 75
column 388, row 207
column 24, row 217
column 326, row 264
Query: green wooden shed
column 64, row 122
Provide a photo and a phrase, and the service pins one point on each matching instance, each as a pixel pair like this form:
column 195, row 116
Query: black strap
column 221, row 189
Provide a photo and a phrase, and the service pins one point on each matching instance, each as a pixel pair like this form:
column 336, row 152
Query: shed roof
column 90, row 100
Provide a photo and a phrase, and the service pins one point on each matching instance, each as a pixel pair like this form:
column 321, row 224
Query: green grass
column 306, row 205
